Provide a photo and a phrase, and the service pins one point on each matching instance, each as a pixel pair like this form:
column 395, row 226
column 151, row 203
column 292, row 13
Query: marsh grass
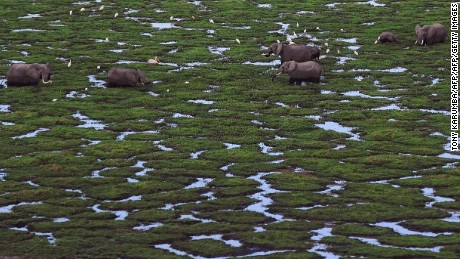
column 234, row 120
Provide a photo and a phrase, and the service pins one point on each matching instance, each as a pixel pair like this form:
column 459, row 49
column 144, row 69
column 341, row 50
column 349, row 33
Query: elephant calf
column 299, row 72
column 28, row 74
column 430, row 34
column 387, row 36
column 125, row 77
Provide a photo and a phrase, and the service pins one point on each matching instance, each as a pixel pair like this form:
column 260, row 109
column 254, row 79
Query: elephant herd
column 296, row 60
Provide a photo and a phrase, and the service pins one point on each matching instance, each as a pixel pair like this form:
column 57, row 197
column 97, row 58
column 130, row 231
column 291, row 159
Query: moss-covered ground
column 214, row 159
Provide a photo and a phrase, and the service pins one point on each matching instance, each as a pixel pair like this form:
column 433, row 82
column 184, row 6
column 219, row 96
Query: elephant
column 125, row 77
column 315, row 52
column 387, row 36
column 299, row 72
column 28, row 74
column 288, row 52
column 430, row 34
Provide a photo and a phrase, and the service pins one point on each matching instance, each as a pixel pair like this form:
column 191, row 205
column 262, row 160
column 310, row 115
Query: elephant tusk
column 422, row 43
column 415, row 42
column 376, row 41
column 46, row 82
column 279, row 73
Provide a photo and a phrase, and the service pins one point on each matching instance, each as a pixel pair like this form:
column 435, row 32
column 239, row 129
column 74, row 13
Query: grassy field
column 214, row 159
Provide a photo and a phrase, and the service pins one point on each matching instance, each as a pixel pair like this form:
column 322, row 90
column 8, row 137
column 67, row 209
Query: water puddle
column 334, row 126
column 263, row 197
column 82, row 197
column 9, row 208
column 6, row 123
column 272, row 63
column 117, row 50
column 200, row 183
column 372, row 3
column 343, row 60
column 264, row 5
column 454, row 217
column 337, row 186
column 27, row 30
column 119, row 214
column 96, row 82
column 88, row 123
column 226, row 168
column 30, row 16
column 192, row 217
column 375, row 242
column 32, row 184
column 61, row 220
column 180, row 115
column 49, row 236
column 145, row 170
column 31, row 134
column 126, row 62
column 348, row 40
column 429, row 193
column 3, row 174
column 229, row 146
column 5, row 108
column 196, row 154
column 391, row 107
column 218, row 50
column 361, row 95
column 143, row 227
column 406, row 232
column 123, row 135
column 76, row 94
column 162, row 147
column 163, row 25
column 312, row 207
column 267, row 150
column 319, row 248
column 97, row 173
column 219, row 237
column 200, row 101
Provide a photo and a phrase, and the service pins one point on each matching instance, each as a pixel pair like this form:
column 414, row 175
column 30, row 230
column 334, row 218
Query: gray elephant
column 125, row 77
column 315, row 52
column 28, row 74
column 299, row 72
column 387, row 36
column 288, row 52
column 430, row 34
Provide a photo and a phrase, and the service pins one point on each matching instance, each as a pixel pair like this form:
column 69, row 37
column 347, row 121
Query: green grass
column 51, row 175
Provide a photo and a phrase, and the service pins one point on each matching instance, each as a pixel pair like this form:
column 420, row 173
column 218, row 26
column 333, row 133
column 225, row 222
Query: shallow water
column 96, row 82
column 5, row 108
column 263, row 197
column 267, row 150
column 200, row 183
column 330, row 125
column 376, row 242
column 32, row 134
column 404, row 231
column 88, row 123
column 144, row 227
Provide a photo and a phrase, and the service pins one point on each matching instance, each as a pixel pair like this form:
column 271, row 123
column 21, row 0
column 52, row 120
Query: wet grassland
column 214, row 159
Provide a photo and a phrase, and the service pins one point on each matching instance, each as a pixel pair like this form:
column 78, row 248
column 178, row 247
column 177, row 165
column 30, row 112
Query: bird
column 211, row 20
column 355, row 52
column 116, row 15
column 70, row 13
column 82, row 9
column 297, row 24
column 237, row 40
column 70, row 63
column 101, row 8
column 106, row 39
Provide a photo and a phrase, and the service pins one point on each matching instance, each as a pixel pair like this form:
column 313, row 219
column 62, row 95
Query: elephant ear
column 277, row 48
column 291, row 66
